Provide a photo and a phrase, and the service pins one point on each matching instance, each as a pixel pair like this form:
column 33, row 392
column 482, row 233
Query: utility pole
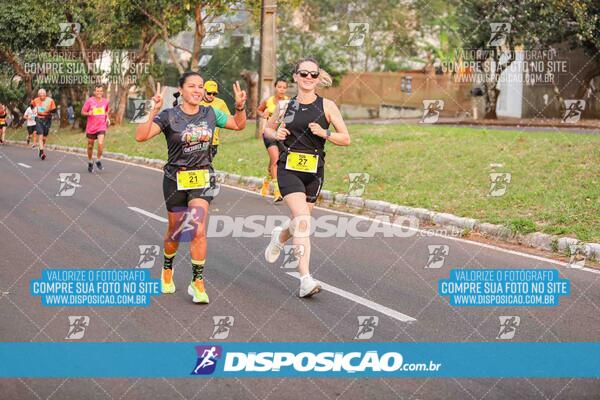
column 268, row 52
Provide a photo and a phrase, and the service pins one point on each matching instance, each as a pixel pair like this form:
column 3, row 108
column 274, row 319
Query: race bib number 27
column 302, row 162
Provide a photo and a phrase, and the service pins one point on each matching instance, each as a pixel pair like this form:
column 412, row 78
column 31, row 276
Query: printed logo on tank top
column 292, row 106
column 196, row 137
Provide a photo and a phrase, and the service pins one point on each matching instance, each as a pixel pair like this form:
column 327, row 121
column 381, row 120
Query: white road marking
column 362, row 301
column 347, row 295
column 24, row 165
column 432, row 234
column 148, row 214
column 473, row 243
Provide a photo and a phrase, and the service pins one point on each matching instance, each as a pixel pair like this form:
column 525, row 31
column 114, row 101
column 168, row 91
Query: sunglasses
column 211, row 93
column 304, row 73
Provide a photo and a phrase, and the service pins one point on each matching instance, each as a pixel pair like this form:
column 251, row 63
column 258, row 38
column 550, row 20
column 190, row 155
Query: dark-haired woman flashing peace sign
column 189, row 182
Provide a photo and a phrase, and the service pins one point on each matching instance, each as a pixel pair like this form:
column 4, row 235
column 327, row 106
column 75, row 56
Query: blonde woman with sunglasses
column 301, row 165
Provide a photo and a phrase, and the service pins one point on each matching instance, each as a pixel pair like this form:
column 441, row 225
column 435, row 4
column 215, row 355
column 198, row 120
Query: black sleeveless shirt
column 297, row 117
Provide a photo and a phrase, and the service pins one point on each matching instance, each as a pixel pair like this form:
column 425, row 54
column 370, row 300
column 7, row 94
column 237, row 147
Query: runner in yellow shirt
column 211, row 89
column 2, row 122
column 266, row 109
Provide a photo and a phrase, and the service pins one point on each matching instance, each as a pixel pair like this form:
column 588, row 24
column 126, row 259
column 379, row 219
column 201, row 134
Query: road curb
column 538, row 240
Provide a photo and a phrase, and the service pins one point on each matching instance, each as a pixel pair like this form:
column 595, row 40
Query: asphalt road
column 102, row 224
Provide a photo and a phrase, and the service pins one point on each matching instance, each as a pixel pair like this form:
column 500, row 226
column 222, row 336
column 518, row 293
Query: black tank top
column 297, row 117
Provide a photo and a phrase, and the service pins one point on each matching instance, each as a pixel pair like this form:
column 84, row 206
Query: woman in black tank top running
column 301, row 137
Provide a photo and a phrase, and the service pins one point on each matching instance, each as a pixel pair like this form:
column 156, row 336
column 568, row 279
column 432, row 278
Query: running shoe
column 197, row 291
column 99, row 165
column 166, row 281
column 33, row 146
column 274, row 248
column 42, row 155
column 264, row 190
column 308, row 286
column 90, row 167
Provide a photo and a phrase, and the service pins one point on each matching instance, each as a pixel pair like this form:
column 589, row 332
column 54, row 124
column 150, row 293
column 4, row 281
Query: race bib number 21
column 196, row 179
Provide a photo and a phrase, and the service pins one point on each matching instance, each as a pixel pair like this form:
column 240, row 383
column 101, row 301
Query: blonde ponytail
column 325, row 79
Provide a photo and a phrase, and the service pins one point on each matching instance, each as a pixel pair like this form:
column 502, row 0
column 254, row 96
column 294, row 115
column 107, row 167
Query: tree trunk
column 490, row 85
column 491, row 98
column 146, row 43
column 64, row 104
column 585, row 87
column 251, row 78
column 73, row 95
column 121, row 106
column 198, row 36
column 17, row 121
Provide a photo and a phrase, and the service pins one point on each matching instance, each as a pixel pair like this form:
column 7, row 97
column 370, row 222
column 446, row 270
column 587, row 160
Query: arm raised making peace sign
column 149, row 129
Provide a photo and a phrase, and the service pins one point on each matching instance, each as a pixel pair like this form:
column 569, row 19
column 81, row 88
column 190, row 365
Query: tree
column 436, row 29
column 26, row 27
column 347, row 34
column 173, row 18
column 535, row 24
column 130, row 36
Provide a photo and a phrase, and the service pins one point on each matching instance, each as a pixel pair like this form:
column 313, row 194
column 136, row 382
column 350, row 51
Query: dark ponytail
column 176, row 95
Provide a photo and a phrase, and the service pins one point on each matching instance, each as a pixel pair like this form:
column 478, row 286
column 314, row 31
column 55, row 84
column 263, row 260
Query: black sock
column 168, row 263
column 197, row 270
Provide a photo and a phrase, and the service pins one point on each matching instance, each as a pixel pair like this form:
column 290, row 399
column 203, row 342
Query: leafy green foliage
column 535, row 23
column 321, row 29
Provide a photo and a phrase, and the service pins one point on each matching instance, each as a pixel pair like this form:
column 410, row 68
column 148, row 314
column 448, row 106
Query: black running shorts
column 300, row 182
column 43, row 126
column 179, row 199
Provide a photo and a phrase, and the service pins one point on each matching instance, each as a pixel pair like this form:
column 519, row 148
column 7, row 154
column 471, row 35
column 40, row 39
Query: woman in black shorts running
column 301, row 165
column 266, row 108
column 189, row 181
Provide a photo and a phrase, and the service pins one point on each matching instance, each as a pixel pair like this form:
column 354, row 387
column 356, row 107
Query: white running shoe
column 274, row 248
column 308, row 286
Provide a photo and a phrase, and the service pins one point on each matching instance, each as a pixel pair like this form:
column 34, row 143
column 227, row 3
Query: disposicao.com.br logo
column 238, row 363
column 325, row 226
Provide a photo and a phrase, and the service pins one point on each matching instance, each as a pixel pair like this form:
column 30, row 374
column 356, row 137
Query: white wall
column 510, row 84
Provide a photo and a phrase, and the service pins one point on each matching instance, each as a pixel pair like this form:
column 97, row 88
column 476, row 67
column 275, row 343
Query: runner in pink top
column 96, row 110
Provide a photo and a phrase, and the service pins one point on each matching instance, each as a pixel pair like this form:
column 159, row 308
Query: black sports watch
column 328, row 131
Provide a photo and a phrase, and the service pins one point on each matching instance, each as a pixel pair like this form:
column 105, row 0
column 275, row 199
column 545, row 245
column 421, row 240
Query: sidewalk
column 586, row 125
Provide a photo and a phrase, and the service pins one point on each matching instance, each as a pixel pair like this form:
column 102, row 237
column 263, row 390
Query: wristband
column 240, row 109
column 328, row 133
